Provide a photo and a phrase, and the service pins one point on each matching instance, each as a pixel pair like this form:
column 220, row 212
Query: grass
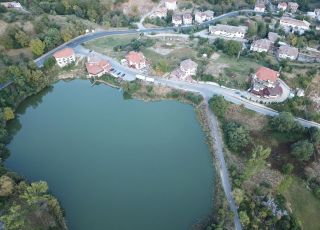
column 305, row 205
column 172, row 59
column 105, row 45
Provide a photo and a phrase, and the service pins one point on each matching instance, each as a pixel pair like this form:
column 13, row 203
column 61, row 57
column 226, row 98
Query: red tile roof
column 266, row 74
column 98, row 67
column 64, row 53
column 135, row 57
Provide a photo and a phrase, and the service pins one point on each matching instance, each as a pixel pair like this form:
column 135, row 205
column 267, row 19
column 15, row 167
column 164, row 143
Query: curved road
column 205, row 90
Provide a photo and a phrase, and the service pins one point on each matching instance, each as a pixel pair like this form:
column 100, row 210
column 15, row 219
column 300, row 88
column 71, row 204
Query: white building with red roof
column 97, row 67
column 136, row 60
column 265, row 83
column 187, row 18
column 176, row 19
column 282, row 6
column 293, row 6
column 171, row 4
column 260, row 7
column 294, row 25
column 64, row 57
column 187, row 69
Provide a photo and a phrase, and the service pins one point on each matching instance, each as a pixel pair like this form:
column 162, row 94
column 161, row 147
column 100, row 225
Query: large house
column 171, row 4
column 161, row 12
column 261, row 45
column 97, row 67
column 187, row 18
column 64, row 57
column 187, row 69
column 260, row 7
column 136, row 60
column 228, row 31
column 294, row 25
column 288, row 52
column 282, row 6
column 176, row 19
column 265, row 83
column 201, row 17
column 293, row 6
column 11, row 4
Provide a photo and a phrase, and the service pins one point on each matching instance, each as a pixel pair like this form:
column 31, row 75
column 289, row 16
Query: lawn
column 172, row 59
column 305, row 206
column 105, row 45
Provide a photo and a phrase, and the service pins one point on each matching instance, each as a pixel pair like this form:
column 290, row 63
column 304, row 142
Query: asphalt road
column 99, row 34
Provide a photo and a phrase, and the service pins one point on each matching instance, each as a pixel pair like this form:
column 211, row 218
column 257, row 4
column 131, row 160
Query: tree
column 22, row 38
column 35, row 192
column 287, row 168
column 14, row 219
column 8, row 114
column 219, row 106
column 262, row 29
column 285, row 123
column 37, row 46
column 237, row 136
column 315, row 135
column 302, row 150
column 6, row 186
column 238, row 195
column 252, row 30
column 257, row 161
column 244, row 219
column 232, row 48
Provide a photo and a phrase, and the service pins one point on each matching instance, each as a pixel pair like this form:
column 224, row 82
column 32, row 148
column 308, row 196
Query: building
column 273, row 37
column 170, row 4
column 209, row 15
column 97, row 67
column 11, row 4
column 161, row 12
column 282, row 6
column 187, row 18
column 64, row 57
column 187, row 69
column 228, row 31
column 265, row 83
column 288, row 52
column 260, row 7
column 136, row 60
column 201, row 17
column 293, row 6
column 176, row 19
column 261, row 45
column 294, row 25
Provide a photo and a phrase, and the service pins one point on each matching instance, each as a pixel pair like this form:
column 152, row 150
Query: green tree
column 8, row 114
column 262, row 29
column 302, row 150
column 315, row 135
column 237, row 136
column 252, row 30
column 22, row 38
column 35, row 192
column 219, row 106
column 238, row 195
column 14, row 219
column 285, row 123
column 244, row 218
column 257, row 161
column 37, row 46
column 232, row 48
column 287, row 168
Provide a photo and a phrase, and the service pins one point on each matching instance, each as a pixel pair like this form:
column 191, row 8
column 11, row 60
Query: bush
column 302, row 150
column 237, row 136
column 287, row 168
column 219, row 106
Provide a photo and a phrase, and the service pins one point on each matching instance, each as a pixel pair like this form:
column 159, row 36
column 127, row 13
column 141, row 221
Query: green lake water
column 115, row 164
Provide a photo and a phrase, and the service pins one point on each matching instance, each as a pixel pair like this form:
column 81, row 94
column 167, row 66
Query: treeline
column 304, row 144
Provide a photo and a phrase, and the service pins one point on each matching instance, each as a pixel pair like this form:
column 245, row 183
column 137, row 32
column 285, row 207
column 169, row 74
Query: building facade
column 64, row 57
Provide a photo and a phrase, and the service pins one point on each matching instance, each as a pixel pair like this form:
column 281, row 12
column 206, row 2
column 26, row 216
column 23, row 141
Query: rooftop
column 294, row 22
column 288, row 50
column 135, row 57
column 228, row 28
column 188, row 64
column 64, row 53
column 266, row 74
column 262, row 43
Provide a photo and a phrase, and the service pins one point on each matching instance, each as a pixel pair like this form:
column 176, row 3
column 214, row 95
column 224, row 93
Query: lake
column 113, row 163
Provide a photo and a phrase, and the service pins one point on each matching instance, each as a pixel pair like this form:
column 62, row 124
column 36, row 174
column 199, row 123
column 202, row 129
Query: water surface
column 113, row 163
